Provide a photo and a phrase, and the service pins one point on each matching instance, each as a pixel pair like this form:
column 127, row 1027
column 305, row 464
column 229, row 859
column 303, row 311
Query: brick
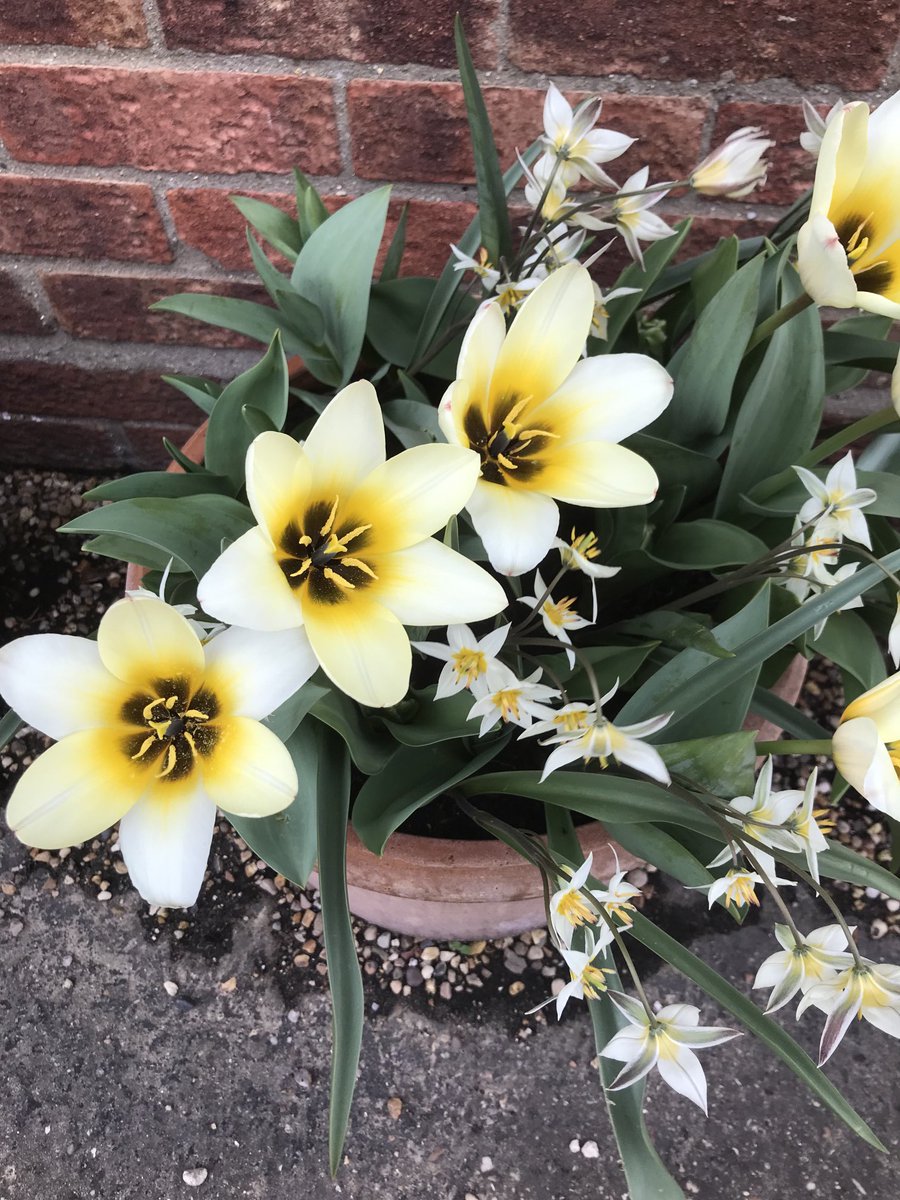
column 17, row 313
column 115, row 308
column 74, row 23
column 74, row 218
column 404, row 31
column 55, row 442
column 705, row 232
column 224, row 122
column 791, row 169
column 61, row 390
column 749, row 39
column 145, row 442
column 206, row 220
column 418, row 131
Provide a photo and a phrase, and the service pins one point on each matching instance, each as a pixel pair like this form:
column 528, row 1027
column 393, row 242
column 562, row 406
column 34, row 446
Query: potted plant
column 521, row 552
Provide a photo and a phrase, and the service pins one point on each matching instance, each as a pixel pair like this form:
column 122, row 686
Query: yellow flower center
column 573, row 907
column 559, row 613
column 858, row 235
column 593, row 980
column 571, row 722
column 469, row 665
column 313, row 553
column 170, row 729
column 508, row 703
column 741, row 890
column 509, row 451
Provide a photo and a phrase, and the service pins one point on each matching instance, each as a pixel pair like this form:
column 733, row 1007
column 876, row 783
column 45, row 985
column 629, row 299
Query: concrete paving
column 115, row 1088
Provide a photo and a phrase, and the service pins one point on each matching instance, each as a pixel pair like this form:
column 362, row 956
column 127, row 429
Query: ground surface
column 138, row 1048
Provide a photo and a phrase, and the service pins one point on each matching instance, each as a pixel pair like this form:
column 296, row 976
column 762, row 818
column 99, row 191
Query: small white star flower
column 481, row 266
column 666, row 1041
column 870, row 992
column 558, row 617
column 600, row 319
column 894, row 636
column 739, row 887
column 799, row 965
column 838, row 500
column 543, row 177
column 587, row 981
column 631, row 216
column 578, row 554
column 811, row 138
column 573, row 138
column 467, row 658
column 510, row 699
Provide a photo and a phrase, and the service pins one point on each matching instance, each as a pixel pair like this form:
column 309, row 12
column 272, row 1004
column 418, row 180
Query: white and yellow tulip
column 802, row 962
column 736, row 167
column 866, row 990
column 571, row 137
column 342, row 548
column 546, row 424
column 153, row 728
column 849, row 249
column 866, row 745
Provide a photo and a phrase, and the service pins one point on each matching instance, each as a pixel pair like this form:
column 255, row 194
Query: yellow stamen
column 593, row 980
column 573, row 908
column 354, row 533
column 197, row 714
column 508, row 703
column 331, row 574
column 326, row 528
column 171, row 759
column 469, row 663
column 145, row 746
column 302, row 569
column 148, row 708
column 505, row 462
column 360, row 566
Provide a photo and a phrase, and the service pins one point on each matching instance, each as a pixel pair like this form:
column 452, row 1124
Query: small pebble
column 487, row 1164
column 590, row 1150
column 575, row 1145
column 394, row 1107
column 171, row 988
column 194, row 1176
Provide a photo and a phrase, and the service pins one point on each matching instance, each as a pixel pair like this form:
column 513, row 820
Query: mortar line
column 154, row 25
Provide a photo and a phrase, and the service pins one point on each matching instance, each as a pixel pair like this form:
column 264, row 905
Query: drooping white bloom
column 600, row 317
column 739, row 887
column 811, row 138
column 805, row 828
column 545, row 423
column 578, row 555
column 510, row 699
column 631, row 216
column 848, row 251
column 736, row 167
column 616, row 898
column 489, row 275
column 666, row 1041
column 558, row 616
column 799, row 965
column 467, row 658
column 587, row 980
column 866, row 745
column 764, row 815
column 821, row 546
column 596, row 737
column 870, row 992
column 573, row 138
column 557, row 247
column 569, row 909
column 342, row 548
column 155, row 728
column 838, row 500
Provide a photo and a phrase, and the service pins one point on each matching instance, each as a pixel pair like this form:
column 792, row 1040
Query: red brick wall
column 125, row 124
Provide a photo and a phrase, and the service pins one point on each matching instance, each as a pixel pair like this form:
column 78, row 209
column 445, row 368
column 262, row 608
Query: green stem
column 789, row 746
column 766, row 328
column 844, row 437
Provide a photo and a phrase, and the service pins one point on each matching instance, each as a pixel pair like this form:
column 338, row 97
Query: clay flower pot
column 445, row 888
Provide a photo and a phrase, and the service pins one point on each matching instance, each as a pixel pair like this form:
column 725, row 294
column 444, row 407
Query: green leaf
column 187, row 464
column 706, row 366
column 664, row 691
column 779, row 416
column 839, row 377
column 713, row 273
column 758, row 1023
column 678, row 276
column 243, row 316
column 264, row 387
column 395, row 309
column 656, row 257
column 304, row 319
column 394, row 256
column 652, row 844
column 287, row 840
column 257, row 421
column 10, row 724
column 334, row 272
column 492, row 211
column 706, row 545
column 272, row 278
column 771, row 707
column 311, row 212
column 279, row 229
column 677, row 466
column 724, row 765
column 848, row 641
column 411, row 421
column 161, row 483
column 840, row 862
column 875, row 354
column 287, row 716
column 130, row 550
column 203, row 392
column 786, row 500
column 675, row 629
column 344, row 975
column 191, row 529
column 434, row 720
column 609, row 663
column 411, row 778
column 368, row 751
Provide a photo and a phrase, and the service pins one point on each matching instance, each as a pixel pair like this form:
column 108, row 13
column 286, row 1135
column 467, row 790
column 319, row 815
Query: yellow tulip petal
column 822, row 263
column 415, row 493
column 880, row 704
column 165, row 842
column 278, row 477
column 546, row 338
column 75, row 790
column 347, row 440
column 57, row 683
column 141, row 638
column 862, row 758
column 452, row 412
column 430, row 584
column 885, row 306
column 606, row 398
column 245, row 586
column 479, row 353
column 842, row 158
column 251, row 672
column 599, row 474
column 362, row 648
column 250, row 773
column 516, row 526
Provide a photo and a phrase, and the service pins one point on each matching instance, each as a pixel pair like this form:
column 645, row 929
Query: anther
column 331, row 574
column 326, row 528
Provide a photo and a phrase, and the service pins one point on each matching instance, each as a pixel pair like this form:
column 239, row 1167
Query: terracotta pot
column 444, row 888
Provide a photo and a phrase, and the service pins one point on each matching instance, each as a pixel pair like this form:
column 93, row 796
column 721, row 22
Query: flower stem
column 766, row 328
column 792, row 746
column 773, row 891
column 823, row 895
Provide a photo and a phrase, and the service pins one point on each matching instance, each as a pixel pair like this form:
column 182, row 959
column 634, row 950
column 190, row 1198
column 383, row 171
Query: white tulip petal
column 362, row 648
column 278, row 477
column 165, row 843
column 607, row 398
column 822, row 263
column 598, row 474
column 250, row 772
column 862, row 758
column 430, row 584
column 517, row 527
column 883, row 1018
column 347, row 440
column 258, row 671
column 73, row 791
column 142, row 638
column 682, row 1072
column 57, row 683
column 627, row 1045
column 245, row 586
column 636, row 1069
